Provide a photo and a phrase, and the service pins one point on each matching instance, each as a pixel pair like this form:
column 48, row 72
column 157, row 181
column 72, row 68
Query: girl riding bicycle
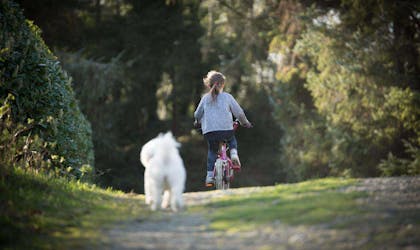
column 214, row 112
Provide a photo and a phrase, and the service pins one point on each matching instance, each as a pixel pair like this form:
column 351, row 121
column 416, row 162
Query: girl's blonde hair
column 215, row 81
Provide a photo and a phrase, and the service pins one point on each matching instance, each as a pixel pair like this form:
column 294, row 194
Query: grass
column 343, row 217
column 310, row 202
column 42, row 212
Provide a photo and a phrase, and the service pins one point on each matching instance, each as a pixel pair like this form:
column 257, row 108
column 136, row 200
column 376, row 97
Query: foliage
column 103, row 90
column 40, row 117
column 67, row 30
column 331, row 86
column 16, row 146
column 235, row 43
column 118, row 93
column 348, row 103
column 139, row 82
column 152, row 53
column 394, row 166
column 42, row 211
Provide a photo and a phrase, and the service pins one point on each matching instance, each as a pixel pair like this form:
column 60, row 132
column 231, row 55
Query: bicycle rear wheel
column 227, row 176
column 218, row 174
column 221, row 177
column 226, row 183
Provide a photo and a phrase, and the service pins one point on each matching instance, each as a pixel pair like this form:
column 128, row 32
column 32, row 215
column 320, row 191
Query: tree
column 40, row 119
column 346, row 58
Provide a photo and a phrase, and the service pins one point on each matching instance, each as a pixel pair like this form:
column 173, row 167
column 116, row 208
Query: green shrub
column 39, row 114
column 394, row 166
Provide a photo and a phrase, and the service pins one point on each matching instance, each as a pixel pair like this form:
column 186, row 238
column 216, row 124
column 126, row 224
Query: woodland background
column 332, row 87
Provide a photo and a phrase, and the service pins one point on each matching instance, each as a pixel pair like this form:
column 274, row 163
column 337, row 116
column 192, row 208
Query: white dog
column 164, row 172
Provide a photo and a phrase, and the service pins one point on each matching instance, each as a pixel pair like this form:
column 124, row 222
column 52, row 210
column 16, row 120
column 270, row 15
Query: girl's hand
column 248, row 125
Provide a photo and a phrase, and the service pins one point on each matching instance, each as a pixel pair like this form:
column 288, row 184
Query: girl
column 214, row 112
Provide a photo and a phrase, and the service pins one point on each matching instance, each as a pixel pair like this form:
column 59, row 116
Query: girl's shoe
column 209, row 180
column 235, row 158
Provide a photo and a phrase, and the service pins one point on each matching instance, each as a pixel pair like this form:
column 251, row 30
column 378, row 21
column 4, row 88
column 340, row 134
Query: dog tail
column 147, row 152
column 162, row 147
column 168, row 146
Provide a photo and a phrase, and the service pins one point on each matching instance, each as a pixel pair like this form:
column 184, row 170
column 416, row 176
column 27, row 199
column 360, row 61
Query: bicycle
column 224, row 168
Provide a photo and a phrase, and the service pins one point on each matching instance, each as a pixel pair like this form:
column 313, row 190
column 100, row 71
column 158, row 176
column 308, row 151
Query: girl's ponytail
column 214, row 91
column 215, row 81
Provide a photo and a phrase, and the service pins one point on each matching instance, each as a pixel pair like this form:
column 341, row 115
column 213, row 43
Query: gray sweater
column 216, row 115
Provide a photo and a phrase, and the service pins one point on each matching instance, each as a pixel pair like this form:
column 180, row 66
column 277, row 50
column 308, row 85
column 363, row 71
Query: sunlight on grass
column 310, row 202
column 49, row 213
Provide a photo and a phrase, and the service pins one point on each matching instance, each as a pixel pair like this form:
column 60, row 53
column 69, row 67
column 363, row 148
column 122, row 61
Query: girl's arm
column 198, row 113
column 238, row 112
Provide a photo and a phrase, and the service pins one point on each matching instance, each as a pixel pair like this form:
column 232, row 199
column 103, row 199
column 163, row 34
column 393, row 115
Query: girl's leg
column 211, row 158
column 213, row 139
column 213, row 147
column 233, row 148
column 233, row 144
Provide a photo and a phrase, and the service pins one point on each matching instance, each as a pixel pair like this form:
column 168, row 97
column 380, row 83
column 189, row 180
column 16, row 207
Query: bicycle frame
column 223, row 167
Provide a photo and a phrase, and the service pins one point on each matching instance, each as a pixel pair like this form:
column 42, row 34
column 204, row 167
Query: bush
column 394, row 166
column 39, row 114
column 102, row 87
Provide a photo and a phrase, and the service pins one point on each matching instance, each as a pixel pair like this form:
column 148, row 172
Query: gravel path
column 388, row 198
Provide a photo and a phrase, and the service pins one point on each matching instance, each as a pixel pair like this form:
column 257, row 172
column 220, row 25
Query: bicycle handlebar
column 236, row 125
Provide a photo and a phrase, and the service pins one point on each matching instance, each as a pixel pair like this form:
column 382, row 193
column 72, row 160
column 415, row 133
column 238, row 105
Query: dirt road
column 388, row 197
